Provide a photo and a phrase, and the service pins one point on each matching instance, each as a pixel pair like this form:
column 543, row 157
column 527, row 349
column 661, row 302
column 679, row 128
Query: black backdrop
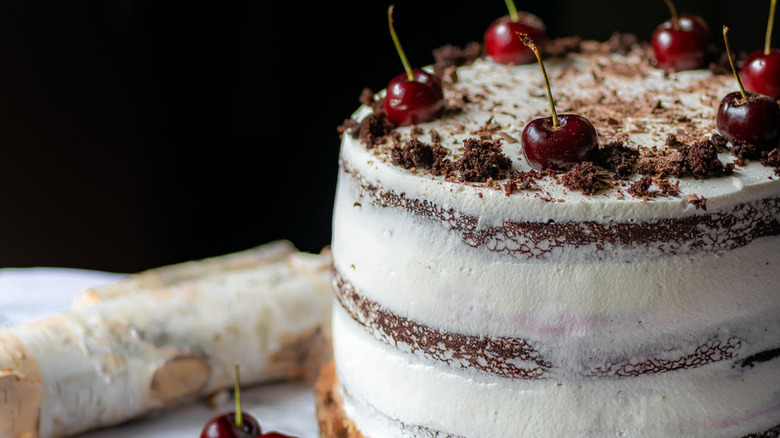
column 135, row 134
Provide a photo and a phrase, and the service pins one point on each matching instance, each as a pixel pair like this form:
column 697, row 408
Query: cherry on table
column 237, row 424
column 682, row 42
column 415, row 96
column 748, row 117
column 760, row 72
column 225, row 426
column 501, row 42
column 558, row 142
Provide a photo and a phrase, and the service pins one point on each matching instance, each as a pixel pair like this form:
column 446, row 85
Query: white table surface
column 29, row 294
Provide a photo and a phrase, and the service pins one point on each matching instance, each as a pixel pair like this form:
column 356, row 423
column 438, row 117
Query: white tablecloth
column 29, row 294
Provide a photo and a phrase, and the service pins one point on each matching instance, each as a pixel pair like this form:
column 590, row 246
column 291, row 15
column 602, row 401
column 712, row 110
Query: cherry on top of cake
column 687, row 147
column 747, row 117
column 760, row 71
column 682, row 43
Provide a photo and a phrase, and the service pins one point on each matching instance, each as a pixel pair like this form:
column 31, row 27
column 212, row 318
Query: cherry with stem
column 682, row 42
column 414, row 96
column 233, row 424
column 748, row 117
column 761, row 70
column 500, row 41
column 559, row 142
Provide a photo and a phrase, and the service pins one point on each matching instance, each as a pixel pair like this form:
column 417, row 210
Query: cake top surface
column 659, row 146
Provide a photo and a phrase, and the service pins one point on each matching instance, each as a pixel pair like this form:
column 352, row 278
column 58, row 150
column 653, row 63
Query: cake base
column 333, row 423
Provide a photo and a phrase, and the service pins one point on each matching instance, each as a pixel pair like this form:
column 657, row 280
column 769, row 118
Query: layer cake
column 635, row 296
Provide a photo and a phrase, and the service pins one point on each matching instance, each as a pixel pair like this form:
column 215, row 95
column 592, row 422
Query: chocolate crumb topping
column 720, row 143
column 702, row 160
column 744, row 151
column 772, row 159
column 618, row 159
column 482, row 160
column 699, row 160
column 415, row 153
column 585, row 177
column 367, row 98
column 560, row 47
column 449, row 57
column 372, row 130
column 621, row 43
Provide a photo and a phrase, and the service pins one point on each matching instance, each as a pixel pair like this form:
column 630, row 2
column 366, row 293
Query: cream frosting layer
column 393, row 394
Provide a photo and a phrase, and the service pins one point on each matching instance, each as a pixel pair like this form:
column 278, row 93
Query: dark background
column 135, row 134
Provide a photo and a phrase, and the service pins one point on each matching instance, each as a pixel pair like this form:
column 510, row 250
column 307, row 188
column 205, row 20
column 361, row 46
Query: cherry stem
column 512, row 11
column 530, row 44
column 673, row 10
column 731, row 61
column 404, row 60
column 239, row 414
column 768, row 42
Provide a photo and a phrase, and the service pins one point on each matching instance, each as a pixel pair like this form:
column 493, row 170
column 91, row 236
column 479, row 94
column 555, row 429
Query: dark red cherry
column 275, row 435
column 502, row 44
column 755, row 121
column 409, row 102
column 414, row 96
column 760, row 73
column 547, row 147
column 224, row 426
column 684, row 45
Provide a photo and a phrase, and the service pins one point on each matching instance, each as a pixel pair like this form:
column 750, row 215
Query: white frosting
column 581, row 307
column 388, row 393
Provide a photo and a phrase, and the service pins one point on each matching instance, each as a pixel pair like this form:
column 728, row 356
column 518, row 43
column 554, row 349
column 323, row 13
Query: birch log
column 254, row 258
column 119, row 358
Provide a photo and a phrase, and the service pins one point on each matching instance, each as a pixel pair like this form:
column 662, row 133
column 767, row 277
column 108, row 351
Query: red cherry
column 755, row 121
column 547, row 147
column 682, row 43
column 761, row 73
column 748, row 117
column 236, row 424
column 557, row 142
column 409, row 102
column 415, row 96
column 275, row 435
column 505, row 48
column 224, row 426
column 761, row 70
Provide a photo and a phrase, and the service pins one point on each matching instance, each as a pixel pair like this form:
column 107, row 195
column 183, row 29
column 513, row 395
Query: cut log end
column 180, row 378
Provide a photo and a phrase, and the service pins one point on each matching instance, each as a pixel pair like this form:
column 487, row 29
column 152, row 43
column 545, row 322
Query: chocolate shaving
column 481, row 160
column 700, row 202
column 641, row 188
column 521, row 181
